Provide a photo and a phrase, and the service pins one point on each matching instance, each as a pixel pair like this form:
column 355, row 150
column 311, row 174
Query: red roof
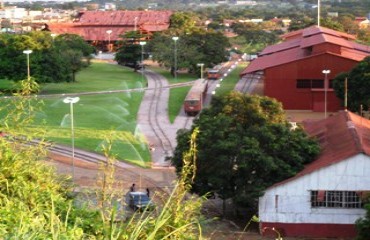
column 93, row 25
column 341, row 136
column 294, row 48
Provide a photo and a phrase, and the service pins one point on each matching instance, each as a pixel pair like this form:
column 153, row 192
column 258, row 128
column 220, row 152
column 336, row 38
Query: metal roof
column 93, row 25
column 341, row 136
column 293, row 48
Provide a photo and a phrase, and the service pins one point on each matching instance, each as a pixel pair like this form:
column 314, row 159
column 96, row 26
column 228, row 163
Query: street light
column 109, row 33
column 142, row 43
column 53, row 35
column 135, row 20
column 201, row 69
column 326, row 72
column 71, row 101
column 28, row 52
column 175, row 56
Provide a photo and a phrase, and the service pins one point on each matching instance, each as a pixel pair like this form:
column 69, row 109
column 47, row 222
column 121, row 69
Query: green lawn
column 228, row 83
column 97, row 116
column 177, row 95
column 98, row 77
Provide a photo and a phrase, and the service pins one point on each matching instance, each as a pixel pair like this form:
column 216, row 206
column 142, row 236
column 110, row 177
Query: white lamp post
column 201, row 69
column 326, row 72
column 109, row 32
column 135, row 23
column 142, row 43
column 28, row 52
column 53, row 35
column 71, row 101
column 175, row 56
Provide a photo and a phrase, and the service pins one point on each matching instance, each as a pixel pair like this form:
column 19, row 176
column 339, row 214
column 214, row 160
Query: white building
column 327, row 197
column 13, row 13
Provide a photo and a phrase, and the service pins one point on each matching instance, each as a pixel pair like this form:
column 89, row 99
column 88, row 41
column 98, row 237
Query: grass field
column 177, row 95
column 228, row 83
column 97, row 117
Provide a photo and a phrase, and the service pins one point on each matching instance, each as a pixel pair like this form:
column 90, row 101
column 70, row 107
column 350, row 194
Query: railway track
column 154, row 113
column 99, row 159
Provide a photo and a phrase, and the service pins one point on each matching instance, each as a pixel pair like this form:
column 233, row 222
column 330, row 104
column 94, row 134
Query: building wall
column 288, row 205
column 280, row 82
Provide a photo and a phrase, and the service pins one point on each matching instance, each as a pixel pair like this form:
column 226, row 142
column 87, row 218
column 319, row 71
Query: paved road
column 154, row 122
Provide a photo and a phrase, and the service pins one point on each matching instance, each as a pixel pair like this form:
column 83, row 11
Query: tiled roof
column 341, row 136
column 125, row 17
column 293, row 48
column 93, row 25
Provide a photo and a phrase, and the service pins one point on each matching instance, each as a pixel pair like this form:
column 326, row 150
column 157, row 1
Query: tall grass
column 35, row 203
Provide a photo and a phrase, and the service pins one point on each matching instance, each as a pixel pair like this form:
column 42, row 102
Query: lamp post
column 201, row 69
column 135, row 23
column 326, row 72
column 71, row 101
column 28, row 52
column 109, row 33
column 53, row 35
column 175, row 56
column 142, row 43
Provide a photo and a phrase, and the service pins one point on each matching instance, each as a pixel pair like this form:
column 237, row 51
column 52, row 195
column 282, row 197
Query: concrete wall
column 290, row 202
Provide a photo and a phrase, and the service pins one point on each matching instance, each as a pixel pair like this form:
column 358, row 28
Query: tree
column 244, row 146
column 49, row 60
column 199, row 46
column 130, row 51
column 363, row 224
column 358, row 82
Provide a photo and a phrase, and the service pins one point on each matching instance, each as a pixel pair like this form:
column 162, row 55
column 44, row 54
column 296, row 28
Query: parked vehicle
column 194, row 99
column 139, row 201
column 213, row 74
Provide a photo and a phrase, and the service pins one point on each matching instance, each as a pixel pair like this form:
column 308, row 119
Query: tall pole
column 326, row 72
column 318, row 13
column 71, row 101
column 201, row 69
column 345, row 94
column 142, row 61
column 28, row 52
column 109, row 33
column 175, row 57
column 135, row 23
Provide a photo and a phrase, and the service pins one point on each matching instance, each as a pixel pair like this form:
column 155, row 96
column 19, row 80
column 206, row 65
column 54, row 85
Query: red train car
column 194, row 99
column 213, row 74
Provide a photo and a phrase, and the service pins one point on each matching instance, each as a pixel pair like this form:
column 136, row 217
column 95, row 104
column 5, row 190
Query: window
column 336, row 199
column 312, row 83
column 317, row 83
column 304, row 83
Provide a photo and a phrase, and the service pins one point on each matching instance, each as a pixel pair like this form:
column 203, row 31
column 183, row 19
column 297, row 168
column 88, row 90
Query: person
column 147, row 192
column 132, row 188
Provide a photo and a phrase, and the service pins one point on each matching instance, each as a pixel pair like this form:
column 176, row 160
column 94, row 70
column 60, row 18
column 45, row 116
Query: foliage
column 52, row 60
column 35, row 203
column 199, row 46
column 245, row 145
column 131, row 51
column 358, row 82
column 363, row 225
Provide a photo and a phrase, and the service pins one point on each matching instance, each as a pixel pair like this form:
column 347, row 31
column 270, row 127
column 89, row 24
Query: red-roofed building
column 327, row 196
column 293, row 69
column 102, row 27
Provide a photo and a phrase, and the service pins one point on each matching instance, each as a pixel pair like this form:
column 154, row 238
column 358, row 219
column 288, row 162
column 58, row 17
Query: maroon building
column 293, row 69
column 102, row 28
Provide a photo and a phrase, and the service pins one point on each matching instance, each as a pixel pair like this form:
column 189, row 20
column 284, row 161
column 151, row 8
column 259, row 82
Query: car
column 139, row 201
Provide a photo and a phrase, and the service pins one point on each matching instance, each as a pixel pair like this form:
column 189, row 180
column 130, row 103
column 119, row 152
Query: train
column 195, row 98
column 213, row 74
